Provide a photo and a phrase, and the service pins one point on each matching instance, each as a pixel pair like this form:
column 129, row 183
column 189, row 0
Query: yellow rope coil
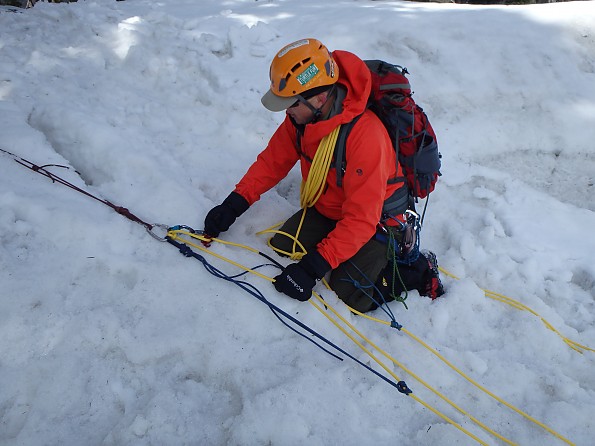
column 310, row 191
column 313, row 187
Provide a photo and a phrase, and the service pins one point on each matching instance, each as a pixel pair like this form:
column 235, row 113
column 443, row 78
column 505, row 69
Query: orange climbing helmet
column 296, row 68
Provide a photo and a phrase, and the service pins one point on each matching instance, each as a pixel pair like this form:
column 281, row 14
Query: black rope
column 57, row 179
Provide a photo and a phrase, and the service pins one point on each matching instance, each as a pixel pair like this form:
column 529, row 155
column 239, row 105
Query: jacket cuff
column 237, row 203
column 315, row 265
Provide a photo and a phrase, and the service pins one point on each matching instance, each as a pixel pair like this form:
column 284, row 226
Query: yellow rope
column 310, row 190
column 520, row 306
column 403, row 367
column 391, row 373
column 174, row 234
column 313, row 187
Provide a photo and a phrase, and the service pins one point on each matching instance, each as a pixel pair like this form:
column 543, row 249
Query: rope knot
column 402, row 387
column 395, row 324
column 186, row 251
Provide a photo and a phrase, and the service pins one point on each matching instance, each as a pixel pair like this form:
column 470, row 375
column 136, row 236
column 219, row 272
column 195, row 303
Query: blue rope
column 384, row 305
column 235, row 276
column 278, row 312
column 248, row 287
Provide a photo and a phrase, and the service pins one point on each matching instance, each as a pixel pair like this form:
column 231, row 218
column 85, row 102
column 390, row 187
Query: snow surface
column 108, row 337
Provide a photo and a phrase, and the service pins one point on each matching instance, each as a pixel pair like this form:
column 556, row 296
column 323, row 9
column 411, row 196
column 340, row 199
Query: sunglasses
column 301, row 99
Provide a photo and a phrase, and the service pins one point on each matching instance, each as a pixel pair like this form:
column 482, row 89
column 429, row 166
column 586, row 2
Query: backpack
column 410, row 131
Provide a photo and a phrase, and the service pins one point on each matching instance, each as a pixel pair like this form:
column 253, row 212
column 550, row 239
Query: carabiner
column 164, row 228
column 412, row 218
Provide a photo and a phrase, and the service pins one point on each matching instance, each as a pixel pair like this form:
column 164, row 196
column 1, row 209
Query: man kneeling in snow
column 338, row 225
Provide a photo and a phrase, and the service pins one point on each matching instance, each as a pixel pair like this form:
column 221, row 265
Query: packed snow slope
column 108, row 337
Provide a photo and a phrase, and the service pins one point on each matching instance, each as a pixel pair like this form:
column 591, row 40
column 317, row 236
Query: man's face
column 301, row 113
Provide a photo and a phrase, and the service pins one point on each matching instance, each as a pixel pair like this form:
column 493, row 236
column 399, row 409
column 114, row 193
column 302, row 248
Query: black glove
column 298, row 279
column 221, row 217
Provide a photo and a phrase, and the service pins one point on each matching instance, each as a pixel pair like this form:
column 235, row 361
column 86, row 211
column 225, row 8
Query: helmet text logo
column 308, row 74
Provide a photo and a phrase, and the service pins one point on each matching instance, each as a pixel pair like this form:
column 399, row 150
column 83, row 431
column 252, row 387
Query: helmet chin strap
column 317, row 112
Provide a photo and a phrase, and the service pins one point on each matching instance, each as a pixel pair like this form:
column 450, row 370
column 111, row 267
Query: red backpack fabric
column 410, row 131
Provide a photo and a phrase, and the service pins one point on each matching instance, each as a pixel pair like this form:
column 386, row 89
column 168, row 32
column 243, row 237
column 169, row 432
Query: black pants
column 364, row 267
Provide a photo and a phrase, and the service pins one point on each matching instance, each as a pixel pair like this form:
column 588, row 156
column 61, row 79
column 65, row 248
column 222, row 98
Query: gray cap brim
column 277, row 103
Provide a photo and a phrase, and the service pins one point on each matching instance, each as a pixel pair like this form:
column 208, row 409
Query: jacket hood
column 355, row 78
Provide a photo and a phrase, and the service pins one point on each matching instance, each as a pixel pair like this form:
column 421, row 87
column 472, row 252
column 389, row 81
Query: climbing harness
column 182, row 237
column 405, row 250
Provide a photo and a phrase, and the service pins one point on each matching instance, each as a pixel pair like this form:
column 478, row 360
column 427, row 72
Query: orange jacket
column 357, row 205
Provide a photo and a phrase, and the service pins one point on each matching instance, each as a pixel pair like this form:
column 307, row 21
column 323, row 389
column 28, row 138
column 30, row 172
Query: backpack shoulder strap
column 341, row 145
column 340, row 148
column 298, row 140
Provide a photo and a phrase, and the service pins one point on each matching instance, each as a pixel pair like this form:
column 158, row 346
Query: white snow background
column 108, row 337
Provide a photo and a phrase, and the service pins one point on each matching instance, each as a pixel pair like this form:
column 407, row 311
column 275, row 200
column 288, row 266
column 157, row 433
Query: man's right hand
column 221, row 217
